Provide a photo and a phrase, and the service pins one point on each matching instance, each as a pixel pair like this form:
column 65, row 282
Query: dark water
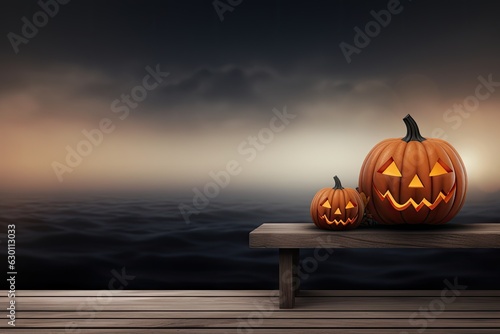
column 77, row 243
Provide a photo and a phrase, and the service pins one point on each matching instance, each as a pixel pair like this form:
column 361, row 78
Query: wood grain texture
column 295, row 264
column 210, row 312
column 306, row 235
column 276, row 314
column 242, row 293
column 172, row 303
column 269, row 303
column 262, row 322
column 287, row 277
column 257, row 330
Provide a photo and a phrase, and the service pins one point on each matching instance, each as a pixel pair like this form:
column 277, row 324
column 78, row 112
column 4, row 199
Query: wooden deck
column 227, row 311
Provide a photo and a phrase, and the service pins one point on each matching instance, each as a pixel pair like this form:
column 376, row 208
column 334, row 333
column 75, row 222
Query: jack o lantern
column 337, row 208
column 413, row 180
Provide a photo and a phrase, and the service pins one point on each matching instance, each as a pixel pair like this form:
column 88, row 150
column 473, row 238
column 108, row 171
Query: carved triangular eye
column 326, row 204
column 390, row 168
column 350, row 205
column 440, row 168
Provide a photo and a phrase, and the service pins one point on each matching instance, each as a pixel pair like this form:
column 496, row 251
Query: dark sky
column 226, row 77
column 289, row 36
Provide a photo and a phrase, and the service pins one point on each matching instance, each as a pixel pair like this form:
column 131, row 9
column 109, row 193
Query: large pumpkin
column 413, row 180
column 337, row 208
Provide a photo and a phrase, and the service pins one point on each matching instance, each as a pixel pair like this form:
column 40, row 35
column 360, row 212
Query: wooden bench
column 291, row 237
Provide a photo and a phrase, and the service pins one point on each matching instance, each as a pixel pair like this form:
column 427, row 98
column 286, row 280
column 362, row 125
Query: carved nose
column 337, row 212
column 416, row 183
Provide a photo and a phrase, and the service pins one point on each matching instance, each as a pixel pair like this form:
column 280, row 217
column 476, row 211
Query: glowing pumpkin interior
column 391, row 169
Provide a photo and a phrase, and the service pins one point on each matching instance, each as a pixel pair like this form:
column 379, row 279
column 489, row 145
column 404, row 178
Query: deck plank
column 210, row 312
column 277, row 314
column 261, row 322
column 255, row 331
column 190, row 304
column 243, row 293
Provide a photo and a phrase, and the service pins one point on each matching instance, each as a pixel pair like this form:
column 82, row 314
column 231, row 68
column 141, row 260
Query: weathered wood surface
column 307, row 235
column 350, row 312
column 289, row 261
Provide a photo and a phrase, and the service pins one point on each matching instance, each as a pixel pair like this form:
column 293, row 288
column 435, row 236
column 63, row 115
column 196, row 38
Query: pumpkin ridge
column 372, row 161
column 460, row 182
column 442, row 152
column 402, row 168
column 425, row 145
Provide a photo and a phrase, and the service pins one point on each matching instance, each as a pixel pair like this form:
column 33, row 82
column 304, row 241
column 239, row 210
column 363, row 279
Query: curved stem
column 412, row 131
column 337, row 185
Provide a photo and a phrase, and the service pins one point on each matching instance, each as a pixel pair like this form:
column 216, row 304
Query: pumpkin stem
column 337, row 185
column 412, row 131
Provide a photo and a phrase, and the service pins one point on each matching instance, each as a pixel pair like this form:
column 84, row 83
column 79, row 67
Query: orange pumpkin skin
column 337, row 208
column 413, row 180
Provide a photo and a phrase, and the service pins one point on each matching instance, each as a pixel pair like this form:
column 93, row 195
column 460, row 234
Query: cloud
column 236, row 92
column 229, row 84
column 206, row 95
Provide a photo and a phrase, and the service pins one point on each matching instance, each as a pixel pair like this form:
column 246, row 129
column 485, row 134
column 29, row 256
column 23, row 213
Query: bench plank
column 307, row 235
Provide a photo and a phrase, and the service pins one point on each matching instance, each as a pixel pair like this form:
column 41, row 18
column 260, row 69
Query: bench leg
column 295, row 264
column 288, row 275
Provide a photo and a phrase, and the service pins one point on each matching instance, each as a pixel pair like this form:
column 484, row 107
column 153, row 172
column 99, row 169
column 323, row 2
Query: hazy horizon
column 226, row 78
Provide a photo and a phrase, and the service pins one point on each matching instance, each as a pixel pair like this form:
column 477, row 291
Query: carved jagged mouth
column 339, row 222
column 418, row 206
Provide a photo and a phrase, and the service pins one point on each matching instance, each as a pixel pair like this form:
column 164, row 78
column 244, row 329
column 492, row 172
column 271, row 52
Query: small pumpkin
column 413, row 180
column 337, row 208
